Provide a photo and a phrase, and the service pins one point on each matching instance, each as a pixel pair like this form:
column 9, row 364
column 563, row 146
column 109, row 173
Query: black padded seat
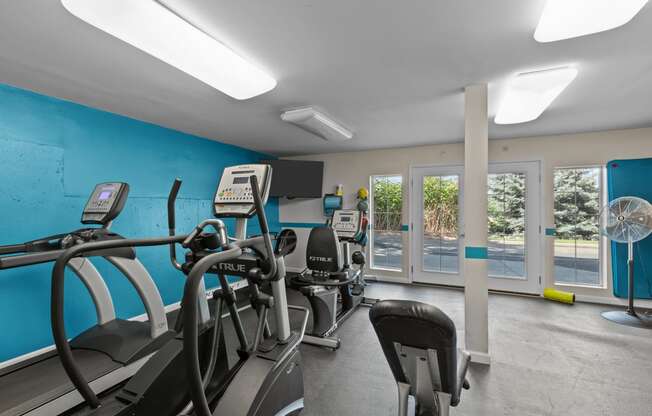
column 422, row 326
column 323, row 252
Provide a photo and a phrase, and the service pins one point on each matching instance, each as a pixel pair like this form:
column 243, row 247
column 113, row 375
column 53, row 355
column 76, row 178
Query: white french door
column 514, row 191
column 436, row 240
column 437, row 226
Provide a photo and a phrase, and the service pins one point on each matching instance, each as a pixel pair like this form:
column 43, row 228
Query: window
column 440, row 224
column 506, row 212
column 386, row 206
column 577, row 235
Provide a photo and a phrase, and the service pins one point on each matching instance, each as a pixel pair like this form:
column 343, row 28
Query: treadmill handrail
column 13, row 248
column 22, row 260
column 47, row 249
column 39, row 257
column 57, row 300
column 34, row 246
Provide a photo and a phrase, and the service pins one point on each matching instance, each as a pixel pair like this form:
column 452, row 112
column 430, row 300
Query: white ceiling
column 391, row 70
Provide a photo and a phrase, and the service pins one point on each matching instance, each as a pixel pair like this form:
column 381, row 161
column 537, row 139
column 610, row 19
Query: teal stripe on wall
column 551, row 232
column 301, row 224
column 476, row 252
column 404, row 227
column 312, row 225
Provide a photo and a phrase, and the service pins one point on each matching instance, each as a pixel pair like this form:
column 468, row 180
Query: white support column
column 476, row 143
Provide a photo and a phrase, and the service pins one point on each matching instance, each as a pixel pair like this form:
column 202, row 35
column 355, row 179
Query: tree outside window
column 386, row 238
column 577, row 234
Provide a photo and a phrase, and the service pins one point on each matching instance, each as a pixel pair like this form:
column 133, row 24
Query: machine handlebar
column 264, row 228
column 13, row 249
column 57, row 301
column 172, row 198
column 172, row 222
column 217, row 224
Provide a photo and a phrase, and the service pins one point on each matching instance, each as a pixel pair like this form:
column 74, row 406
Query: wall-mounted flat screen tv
column 296, row 178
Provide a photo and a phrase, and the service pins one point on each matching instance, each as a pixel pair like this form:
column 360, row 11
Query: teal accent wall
column 476, row 253
column 631, row 177
column 52, row 153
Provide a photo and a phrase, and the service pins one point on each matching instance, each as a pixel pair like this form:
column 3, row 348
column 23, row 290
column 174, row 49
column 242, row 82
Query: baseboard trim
column 600, row 300
column 613, row 301
column 386, row 279
column 480, row 357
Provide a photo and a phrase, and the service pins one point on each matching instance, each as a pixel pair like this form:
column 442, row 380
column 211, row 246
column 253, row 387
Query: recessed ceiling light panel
column 317, row 123
column 152, row 28
column 565, row 19
column 529, row 94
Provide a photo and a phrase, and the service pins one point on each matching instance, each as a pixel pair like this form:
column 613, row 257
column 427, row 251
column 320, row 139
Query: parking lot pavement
column 504, row 259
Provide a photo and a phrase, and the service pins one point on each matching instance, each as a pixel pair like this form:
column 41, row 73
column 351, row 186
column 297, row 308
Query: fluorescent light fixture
column 152, row 28
column 318, row 123
column 529, row 94
column 565, row 19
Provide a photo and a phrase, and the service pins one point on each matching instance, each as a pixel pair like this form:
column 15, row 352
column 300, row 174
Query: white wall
column 354, row 169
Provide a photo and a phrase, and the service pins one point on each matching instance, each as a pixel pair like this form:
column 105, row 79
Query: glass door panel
column 436, row 205
column 506, row 214
column 440, row 218
column 513, row 191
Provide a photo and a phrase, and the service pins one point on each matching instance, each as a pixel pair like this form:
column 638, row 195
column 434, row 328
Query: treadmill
column 109, row 352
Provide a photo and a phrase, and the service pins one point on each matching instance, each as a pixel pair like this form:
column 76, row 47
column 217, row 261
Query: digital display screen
column 240, row 179
column 296, row 178
column 345, row 219
column 104, row 195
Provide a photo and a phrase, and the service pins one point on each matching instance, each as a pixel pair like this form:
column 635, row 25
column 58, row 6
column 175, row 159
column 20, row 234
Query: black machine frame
column 199, row 347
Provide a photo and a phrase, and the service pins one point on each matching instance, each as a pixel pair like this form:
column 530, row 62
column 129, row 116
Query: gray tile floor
column 547, row 359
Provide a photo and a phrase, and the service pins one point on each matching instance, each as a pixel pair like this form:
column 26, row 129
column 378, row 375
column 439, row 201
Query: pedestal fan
column 628, row 220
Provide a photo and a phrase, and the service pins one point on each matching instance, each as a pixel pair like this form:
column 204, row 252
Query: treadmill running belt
column 28, row 388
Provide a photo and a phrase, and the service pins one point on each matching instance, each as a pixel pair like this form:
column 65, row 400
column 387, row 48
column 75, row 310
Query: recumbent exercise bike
column 420, row 344
column 331, row 283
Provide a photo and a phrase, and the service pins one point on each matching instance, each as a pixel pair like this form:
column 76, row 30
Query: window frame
column 372, row 228
column 602, row 241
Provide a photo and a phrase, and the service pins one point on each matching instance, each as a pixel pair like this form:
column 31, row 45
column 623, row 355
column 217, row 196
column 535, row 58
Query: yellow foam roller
column 559, row 296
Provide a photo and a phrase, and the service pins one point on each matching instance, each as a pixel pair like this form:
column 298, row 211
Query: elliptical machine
column 268, row 375
column 331, row 284
column 267, row 379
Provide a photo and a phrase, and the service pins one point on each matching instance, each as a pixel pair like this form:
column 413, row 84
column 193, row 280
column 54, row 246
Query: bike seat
column 416, row 331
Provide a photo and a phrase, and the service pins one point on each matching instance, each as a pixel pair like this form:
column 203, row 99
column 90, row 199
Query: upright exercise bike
column 334, row 281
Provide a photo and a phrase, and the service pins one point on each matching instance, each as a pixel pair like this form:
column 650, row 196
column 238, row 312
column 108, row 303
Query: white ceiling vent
column 317, row 123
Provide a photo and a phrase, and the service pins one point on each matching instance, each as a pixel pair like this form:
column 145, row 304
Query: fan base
column 637, row 320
